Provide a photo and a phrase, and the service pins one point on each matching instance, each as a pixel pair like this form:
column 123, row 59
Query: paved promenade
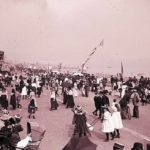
column 59, row 126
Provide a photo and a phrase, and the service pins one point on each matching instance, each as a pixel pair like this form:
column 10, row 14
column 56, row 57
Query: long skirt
column 136, row 112
column 70, row 101
column 65, row 97
column 75, row 92
column 117, row 121
column 125, row 113
column 54, row 104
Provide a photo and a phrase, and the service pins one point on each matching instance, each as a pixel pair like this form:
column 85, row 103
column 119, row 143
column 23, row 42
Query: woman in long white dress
column 24, row 92
column 75, row 90
column 124, row 87
column 107, row 124
column 117, row 121
column 83, row 90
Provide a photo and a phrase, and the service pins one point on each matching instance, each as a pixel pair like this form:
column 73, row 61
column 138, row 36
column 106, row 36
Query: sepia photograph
column 74, row 75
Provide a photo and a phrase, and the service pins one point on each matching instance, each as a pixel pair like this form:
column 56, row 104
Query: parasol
column 77, row 74
column 80, row 143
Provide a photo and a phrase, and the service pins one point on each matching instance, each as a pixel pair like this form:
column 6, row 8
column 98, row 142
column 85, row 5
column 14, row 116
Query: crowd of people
column 30, row 86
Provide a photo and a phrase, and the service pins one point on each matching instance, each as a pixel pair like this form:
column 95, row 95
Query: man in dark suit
column 97, row 103
column 104, row 100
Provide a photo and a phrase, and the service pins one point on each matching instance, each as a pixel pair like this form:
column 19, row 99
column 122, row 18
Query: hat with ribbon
column 79, row 110
column 5, row 117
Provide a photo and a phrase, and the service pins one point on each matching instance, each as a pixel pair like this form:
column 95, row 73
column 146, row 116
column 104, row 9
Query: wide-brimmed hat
column 12, row 121
column 134, row 89
column 100, row 92
column 104, row 107
column 105, row 91
column 5, row 111
column 96, row 93
column 18, row 116
column 5, row 117
column 79, row 110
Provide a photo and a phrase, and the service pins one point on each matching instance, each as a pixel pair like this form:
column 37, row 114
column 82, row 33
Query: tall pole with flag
column 121, row 68
column 59, row 67
column 90, row 55
column 122, row 71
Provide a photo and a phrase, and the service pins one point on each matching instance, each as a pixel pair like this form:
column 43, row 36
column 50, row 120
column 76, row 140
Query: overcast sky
column 66, row 31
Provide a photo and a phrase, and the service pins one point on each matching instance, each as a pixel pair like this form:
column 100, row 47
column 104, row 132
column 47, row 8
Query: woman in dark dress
column 79, row 120
column 54, row 103
column 65, row 95
column 4, row 99
column 70, row 99
column 18, row 98
column 125, row 109
column 13, row 99
column 32, row 109
column 29, row 89
column 39, row 91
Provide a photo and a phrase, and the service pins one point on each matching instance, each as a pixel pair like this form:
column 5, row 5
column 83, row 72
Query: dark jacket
column 4, row 101
column 80, row 123
column 13, row 100
column 97, row 101
column 105, row 101
column 31, row 107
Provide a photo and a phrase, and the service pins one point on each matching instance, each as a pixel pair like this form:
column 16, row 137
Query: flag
column 121, row 68
column 87, row 59
column 101, row 43
column 93, row 52
column 82, row 67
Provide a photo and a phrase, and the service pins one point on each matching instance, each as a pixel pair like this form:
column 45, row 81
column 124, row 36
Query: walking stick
column 94, row 122
column 90, row 125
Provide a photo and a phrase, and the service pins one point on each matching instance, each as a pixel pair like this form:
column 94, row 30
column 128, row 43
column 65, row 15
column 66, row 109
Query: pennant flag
column 87, row 59
column 93, row 52
column 101, row 43
column 83, row 64
column 121, row 68
column 82, row 67
column 94, row 49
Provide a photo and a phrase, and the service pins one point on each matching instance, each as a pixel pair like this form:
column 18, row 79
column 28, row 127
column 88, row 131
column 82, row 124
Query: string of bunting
column 92, row 53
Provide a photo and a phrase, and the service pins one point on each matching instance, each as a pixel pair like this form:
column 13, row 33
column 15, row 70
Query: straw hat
column 5, row 111
column 79, row 110
column 104, row 107
column 104, row 91
column 5, row 117
column 18, row 116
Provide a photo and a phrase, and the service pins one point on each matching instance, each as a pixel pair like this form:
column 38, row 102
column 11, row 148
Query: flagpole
column 93, row 51
column 122, row 71
column 82, row 68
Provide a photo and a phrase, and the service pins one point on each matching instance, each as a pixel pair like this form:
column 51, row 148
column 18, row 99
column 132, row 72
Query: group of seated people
column 9, row 131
